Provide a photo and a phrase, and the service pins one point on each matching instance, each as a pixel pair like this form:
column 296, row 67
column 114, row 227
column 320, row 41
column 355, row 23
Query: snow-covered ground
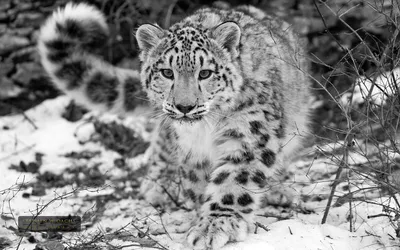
column 39, row 176
column 376, row 90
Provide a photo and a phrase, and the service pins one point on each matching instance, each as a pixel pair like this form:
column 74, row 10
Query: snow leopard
column 232, row 94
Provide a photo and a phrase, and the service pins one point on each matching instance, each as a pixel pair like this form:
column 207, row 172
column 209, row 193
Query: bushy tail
column 67, row 44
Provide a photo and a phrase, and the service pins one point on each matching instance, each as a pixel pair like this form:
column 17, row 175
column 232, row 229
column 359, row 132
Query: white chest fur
column 197, row 139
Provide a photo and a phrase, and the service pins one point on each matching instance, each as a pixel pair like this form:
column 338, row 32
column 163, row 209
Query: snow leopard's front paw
column 216, row 230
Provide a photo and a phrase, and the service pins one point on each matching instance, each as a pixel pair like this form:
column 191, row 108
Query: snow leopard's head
column 189, row 71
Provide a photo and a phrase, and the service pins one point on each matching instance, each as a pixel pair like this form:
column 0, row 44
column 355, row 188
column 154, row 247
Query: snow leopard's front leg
column 174, row 176
column 249, row 162
column 162, row 183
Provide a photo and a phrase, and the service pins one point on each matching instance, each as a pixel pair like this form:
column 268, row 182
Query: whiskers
column 218, row 117
column 165, row 121
column 165, row 117
column 208, row 123
column 143, row 98
column 158, row 115
column 152, row 113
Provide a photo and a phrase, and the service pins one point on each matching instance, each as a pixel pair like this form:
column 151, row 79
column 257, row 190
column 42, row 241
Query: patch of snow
column 55, row 136
column 385, row 85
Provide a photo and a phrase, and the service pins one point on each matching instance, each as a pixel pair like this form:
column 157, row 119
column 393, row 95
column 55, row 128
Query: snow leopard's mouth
column 185, row 114
column 187, row 119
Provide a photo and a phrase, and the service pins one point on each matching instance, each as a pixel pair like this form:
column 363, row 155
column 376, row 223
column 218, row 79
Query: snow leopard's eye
column 167, row 73
column 204, row 74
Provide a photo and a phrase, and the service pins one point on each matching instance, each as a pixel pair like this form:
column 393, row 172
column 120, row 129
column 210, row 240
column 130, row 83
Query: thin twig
column 23, row 114
column 171, row 7
column 147, row 235
column 258, row 224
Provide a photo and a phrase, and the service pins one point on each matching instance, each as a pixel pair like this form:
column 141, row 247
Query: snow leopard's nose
column 185, row 108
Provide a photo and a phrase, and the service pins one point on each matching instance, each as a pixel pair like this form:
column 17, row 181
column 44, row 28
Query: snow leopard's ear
column 148, row 36
column 227, row 34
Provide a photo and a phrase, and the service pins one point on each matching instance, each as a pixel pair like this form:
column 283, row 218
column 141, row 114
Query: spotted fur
column 232, row 87
column 68, row 44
